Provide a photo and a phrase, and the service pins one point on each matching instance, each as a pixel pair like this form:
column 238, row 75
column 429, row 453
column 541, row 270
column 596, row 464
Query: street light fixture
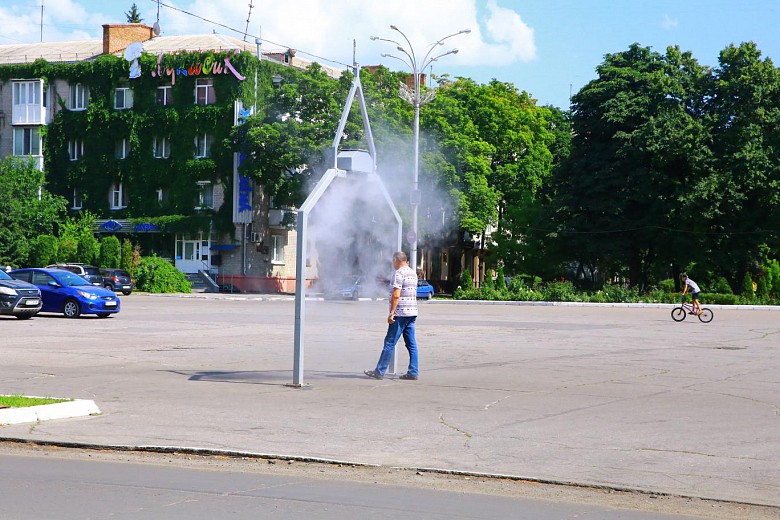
column 415, row 98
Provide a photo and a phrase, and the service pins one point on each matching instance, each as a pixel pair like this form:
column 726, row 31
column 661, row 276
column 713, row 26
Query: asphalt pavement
column 619, row 397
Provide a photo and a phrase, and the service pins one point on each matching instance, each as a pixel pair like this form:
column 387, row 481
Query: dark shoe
column 373, row 374
column 408, row 377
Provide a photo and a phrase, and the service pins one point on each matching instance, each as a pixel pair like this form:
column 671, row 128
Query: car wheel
column 126, row 293
column 108, row 286
column 24, row 316
column 71, row 309
column 103, row 314
column 430, row 296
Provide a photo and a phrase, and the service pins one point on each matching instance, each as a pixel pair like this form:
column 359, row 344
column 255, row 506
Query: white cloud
column 669, row 23
column 499, row 35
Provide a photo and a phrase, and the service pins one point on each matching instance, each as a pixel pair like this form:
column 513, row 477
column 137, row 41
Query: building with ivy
column 135, row 128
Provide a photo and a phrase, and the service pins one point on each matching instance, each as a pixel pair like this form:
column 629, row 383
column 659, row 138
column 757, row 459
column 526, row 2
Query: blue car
column 69, row 293
column 424, row 290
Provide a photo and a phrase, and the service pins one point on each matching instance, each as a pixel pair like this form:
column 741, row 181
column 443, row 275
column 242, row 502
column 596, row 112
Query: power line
column 322, row 58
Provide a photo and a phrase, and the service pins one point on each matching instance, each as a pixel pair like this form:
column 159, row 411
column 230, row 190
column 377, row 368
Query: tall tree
column 27, row 209
column 741, row 197
column 133, row 16
column 637, row 141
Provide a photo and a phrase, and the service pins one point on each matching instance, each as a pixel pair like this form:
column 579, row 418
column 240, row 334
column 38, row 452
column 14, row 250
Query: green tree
column 27, row 209
column 126, row 259
column 638, row 140
column 741, row 195
column 44, row 250
column 133, row 16
column 109, row 252
column 80, row 230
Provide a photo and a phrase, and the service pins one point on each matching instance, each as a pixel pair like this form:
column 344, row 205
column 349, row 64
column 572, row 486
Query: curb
column 207, row 452
column 45, row 412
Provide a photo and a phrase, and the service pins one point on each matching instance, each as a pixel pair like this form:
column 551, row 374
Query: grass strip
column 20, row 401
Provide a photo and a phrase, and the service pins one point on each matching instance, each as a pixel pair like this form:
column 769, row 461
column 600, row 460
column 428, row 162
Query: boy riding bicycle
column 694, row 293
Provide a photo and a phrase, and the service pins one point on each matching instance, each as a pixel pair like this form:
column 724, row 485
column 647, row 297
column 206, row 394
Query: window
column 122, row 148
column 277, row 245
column 204, row 92
column 26, row 93
column 205, row 195
column 202, row 146
column 27, row 141
column 77, row 202
column 75, row 149
column 162, row 148
column 164, row 95
column 123, row 98
column 117, row 196
column 79, row 97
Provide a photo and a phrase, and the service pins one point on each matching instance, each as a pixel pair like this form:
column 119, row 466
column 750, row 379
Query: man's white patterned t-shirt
column 406, row 280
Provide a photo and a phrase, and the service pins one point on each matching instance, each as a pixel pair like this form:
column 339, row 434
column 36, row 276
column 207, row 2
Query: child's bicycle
column 679, row 313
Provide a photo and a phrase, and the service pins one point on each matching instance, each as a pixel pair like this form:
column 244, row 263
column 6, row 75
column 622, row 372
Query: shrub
column 560, row 291
column 719, row 299
column 772, row 269
column 667, row 285
column 109, row 252
column 126, row 255
column 88, row 248
column 67, row 250
column 501, row 280
column 44, row 250
column 746, row 289
column 466, row 281
column 720, row 285
column 156, row 275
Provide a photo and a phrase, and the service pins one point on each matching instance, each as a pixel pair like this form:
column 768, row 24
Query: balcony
column 28, row 107
column 281, row 218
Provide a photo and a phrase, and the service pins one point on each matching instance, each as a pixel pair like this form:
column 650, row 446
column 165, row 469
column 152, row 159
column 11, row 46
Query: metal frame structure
column 311, row 201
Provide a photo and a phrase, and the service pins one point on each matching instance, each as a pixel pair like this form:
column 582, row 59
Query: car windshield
column 4, row 276
column 73, row 280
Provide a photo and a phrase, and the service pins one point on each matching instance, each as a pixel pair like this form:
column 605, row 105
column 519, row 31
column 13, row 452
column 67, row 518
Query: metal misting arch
column 303, row 215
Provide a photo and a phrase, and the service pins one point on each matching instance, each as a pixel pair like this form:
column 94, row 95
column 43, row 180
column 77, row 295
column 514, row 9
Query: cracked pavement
column 608, row 396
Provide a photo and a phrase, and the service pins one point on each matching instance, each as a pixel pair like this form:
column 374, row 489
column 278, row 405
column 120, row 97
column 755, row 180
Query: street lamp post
column 416, row 99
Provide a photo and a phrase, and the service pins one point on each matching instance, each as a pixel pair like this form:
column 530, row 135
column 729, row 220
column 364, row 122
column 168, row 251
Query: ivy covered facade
column 144, row 144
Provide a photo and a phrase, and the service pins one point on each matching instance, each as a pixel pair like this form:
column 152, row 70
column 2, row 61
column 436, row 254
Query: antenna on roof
column 41, row 21
column 248, row 16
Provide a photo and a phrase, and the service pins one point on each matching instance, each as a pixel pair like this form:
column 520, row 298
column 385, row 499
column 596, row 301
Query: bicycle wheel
column 706, row 315
column 678, row 314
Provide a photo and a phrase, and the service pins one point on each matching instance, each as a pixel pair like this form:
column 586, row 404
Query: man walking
column 400, row 321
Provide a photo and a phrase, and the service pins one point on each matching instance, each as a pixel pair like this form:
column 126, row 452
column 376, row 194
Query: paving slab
column 608, row 396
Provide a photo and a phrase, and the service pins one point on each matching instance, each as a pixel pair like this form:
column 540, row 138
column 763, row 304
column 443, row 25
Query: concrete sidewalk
column 607, row 396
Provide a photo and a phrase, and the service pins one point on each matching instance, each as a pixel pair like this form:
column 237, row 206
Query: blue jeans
column 401, row 326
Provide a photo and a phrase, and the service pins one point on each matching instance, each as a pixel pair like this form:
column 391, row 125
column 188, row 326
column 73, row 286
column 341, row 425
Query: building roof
column 72, row 51
column 51, row 51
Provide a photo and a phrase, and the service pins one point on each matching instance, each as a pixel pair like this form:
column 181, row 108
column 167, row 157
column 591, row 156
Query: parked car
column 118, row 280
column 424, row 289
column 68, row 293
column 348, row 287
column 18, row 298
column 88, row 272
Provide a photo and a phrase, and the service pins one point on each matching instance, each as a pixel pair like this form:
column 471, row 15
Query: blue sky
column 548, row 48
